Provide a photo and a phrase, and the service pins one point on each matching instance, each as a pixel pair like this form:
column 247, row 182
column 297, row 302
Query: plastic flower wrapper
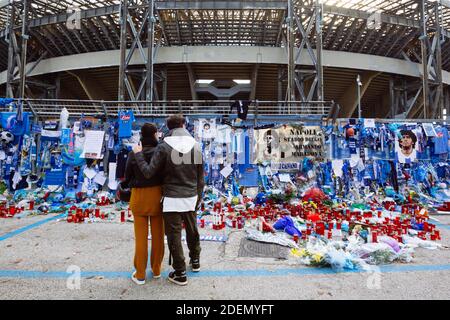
column 299, row 224
column 414, row 242
column 380, row 253
column 339, row 259
column 373, row 253
column 390, row 241
column 315, row 252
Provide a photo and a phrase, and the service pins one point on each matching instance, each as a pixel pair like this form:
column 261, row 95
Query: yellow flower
column 317, row 257
column 303, row 253
column 299, row 253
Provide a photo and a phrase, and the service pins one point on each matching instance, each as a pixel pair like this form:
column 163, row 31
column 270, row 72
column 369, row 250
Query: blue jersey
column 126, row 119
column 441, row 141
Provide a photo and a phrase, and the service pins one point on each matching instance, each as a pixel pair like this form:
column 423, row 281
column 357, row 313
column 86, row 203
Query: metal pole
column 358, row 84
column 319, row 51
column 164, row 88
column 280, row 89
column 23, row 49
column 424, row 40
column 123, row 49
column 291, row 62
column 11, row 55
column 150, row 41
column 438, row 66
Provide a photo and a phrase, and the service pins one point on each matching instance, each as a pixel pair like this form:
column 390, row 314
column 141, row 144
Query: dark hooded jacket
column 134, row 177
column 178, row 159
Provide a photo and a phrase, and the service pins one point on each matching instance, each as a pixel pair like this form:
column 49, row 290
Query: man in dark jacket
column 179, row 160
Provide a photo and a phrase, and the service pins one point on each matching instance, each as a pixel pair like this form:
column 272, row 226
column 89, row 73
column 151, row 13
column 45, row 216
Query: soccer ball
column 6, row 137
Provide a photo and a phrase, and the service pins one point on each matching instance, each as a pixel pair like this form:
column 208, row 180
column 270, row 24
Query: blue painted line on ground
column 441, row 225
column 29, row 227
column 26, row 274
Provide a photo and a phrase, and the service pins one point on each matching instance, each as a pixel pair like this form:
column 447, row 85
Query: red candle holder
column 374, row 236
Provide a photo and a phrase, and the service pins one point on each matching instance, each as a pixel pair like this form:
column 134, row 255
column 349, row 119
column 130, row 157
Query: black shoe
column 178, row 278
column 195, row 264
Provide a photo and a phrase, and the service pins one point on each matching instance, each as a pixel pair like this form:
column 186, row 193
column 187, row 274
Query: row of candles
column 319, row 218
column 327, row 222
column 78, row 215
column 9, row 211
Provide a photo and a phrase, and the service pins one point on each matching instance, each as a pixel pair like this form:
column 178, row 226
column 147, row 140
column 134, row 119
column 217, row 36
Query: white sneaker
column 135, row 280
column 157, row 276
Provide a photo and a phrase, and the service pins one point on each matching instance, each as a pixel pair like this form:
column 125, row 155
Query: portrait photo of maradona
column 405, row 146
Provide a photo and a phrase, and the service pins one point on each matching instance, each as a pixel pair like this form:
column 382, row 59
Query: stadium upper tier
column 382, row 41
column 228, row 23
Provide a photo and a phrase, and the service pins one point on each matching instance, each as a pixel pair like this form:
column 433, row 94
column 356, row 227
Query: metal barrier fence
column 50, row 108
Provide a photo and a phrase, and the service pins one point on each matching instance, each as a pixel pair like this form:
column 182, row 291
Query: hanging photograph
column 406, row 146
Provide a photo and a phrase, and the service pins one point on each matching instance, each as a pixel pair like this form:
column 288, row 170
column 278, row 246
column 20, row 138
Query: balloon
column 313, row 217
column 315, row 194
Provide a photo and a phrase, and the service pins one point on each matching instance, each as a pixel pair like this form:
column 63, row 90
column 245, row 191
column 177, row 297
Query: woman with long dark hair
column 145, row 203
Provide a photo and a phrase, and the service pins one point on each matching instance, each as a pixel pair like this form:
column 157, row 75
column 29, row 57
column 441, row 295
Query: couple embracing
column 166, row 182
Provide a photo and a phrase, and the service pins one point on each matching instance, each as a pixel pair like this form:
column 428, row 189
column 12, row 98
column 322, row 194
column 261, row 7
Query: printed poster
column 288, row 144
